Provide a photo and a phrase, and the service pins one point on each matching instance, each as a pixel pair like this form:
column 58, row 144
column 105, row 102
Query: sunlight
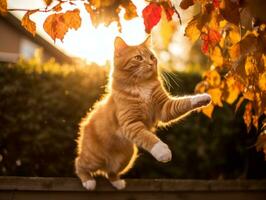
column 89, row 43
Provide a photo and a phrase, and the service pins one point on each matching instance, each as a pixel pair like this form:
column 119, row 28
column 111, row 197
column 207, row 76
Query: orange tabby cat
column 126, row 117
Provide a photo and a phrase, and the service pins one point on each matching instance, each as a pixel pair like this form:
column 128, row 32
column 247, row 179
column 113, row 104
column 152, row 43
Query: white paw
column 119, row 184
column 200, row 100
column 161, row 152
column 89, row 184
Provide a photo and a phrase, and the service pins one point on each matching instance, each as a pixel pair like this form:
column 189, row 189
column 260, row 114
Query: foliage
column 42, row 104
column 40, row 108
column 233, row 36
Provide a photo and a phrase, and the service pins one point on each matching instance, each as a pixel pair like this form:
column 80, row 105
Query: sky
column 96, row 44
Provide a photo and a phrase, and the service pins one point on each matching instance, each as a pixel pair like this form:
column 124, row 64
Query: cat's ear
column 120, row 44
column 148, row 41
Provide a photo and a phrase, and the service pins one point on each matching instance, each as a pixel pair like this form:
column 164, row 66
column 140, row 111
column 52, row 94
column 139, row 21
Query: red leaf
column 214, row 36
column 210, row 39
column 216, row 3
column 151, row 15
column 169, row 10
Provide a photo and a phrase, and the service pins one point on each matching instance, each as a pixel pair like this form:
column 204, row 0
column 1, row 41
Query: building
column 16, row 41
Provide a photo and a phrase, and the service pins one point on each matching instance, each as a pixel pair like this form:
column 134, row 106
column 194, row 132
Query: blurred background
column 46, row 87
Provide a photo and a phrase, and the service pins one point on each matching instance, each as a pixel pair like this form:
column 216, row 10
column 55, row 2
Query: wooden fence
column 36, row 188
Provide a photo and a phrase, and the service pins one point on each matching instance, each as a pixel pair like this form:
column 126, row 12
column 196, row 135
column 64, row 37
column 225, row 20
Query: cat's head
column 134, row 63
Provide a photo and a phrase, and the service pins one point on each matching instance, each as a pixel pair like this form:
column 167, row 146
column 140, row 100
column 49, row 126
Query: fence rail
column 37, row 188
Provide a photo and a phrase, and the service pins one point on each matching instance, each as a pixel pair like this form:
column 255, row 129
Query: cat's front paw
column 119, row 184
column 89, row 184
column 200, row 100
column 161, row 152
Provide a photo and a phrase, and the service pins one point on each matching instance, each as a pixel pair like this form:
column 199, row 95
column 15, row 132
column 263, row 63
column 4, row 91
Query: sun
column 89, row 43
column 97, row 44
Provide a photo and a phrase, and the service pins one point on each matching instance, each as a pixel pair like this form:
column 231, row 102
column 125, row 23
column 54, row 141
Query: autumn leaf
column 208, row 110
column 217, row 57
column 57, row 25
column 232, row 90
column 262, row 81
column 102, row 3
column 151, row 15
column 230, row 11
column 57, row 7
column 250, row 65
column 192, row 31
column 185, row 4
column 216, row 3
column 130, row 8
column 48, row 2
column 216, row 95
column 28, row 24
column 167, row 30
column 248, row 115
column 3, row 6
column 213, row 78
column 209, row 39
column 169, row 10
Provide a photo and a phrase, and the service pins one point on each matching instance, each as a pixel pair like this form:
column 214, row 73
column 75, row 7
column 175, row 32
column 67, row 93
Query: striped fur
column 127, row 115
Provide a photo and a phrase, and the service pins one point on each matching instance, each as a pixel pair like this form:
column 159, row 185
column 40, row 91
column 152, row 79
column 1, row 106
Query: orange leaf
column 28, row 24
column 208, row 110
column 247, row 115
column 216, row 95
column 185, row 4
column 57, row 25
column 3, row 6
column 72, row 19
column 130, row 8
column 48, row 2
column 169, row 10
column 151, row 15
column 262, row 81
column 57, row 7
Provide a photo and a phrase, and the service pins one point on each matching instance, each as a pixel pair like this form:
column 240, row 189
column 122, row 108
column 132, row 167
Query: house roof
column 48, row 47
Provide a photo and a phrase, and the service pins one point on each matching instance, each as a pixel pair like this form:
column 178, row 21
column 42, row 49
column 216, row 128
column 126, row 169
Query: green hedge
column 42, row 104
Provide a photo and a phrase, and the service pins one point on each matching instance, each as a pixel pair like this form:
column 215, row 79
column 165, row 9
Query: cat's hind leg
column 84, row 173
column 116, row 181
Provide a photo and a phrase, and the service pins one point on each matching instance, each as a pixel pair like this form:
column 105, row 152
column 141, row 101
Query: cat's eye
column 153, row 57
column 138, row 58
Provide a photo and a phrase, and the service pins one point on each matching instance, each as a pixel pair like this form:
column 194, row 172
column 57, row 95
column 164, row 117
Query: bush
column 42, row 104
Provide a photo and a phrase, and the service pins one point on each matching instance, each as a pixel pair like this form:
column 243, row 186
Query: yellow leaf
column 233, row 90
column 57, row 25
column 213, row 78
column 208, row 110
column 167, row 30
column 28, row 24
column 234, row 35
column 102, row 3
column 192, row 31
column 3, row 6
column 262, row 81
column 216, row 95
column 216, row 56
column 201, row 87
column 250, row 65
